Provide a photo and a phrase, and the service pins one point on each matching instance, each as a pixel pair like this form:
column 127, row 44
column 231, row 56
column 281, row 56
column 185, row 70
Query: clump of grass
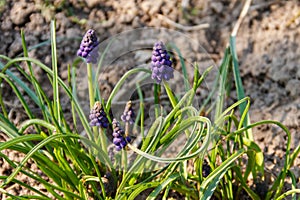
column 82, row 167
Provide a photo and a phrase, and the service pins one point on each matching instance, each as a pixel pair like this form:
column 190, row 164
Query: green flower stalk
column 89, row 51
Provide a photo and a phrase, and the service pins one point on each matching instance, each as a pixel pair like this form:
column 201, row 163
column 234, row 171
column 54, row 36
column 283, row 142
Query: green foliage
column 77, row 166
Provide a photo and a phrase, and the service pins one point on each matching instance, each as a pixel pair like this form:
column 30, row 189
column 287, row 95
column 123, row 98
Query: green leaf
column 31, row 153
column 222, row 84
column 240, row 178
column 183, row 67
column 259, row 156
column 172, row 98
column 77, row 106
column 141, row 188
column 103, row 54
column 239, row 84
column 192, row 143
column 162, row 185
column 56, row 101
column 290, row 192
column 210, row 183
column 120, row 83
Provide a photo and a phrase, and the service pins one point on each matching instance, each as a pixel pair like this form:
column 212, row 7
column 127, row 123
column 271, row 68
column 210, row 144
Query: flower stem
column 157, row 92
column 90, row 85
column 98, row 134
column 103, row 140
column 126, row 129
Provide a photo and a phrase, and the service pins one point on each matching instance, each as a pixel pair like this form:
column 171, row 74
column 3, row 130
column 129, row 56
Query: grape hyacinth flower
column 161, row 65
column 119, row 140
column 205, row 169
column 98, row 116
column 128, row 114
column 89, row 47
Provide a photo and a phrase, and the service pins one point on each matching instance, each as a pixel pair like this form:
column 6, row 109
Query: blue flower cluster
column 89, row 47
column 205, row 169
column 128, row 114
column 98, row 116
column 119, row 136
column 161, row 64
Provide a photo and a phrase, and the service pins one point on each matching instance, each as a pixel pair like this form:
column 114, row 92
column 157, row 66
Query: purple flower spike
column 205, row 169
column 128, row 114
column 161, row 64
column 98, row 116
column 118, row 133
column 89, row 47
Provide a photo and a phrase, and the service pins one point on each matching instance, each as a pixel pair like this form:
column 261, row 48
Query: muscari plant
column 81, row 167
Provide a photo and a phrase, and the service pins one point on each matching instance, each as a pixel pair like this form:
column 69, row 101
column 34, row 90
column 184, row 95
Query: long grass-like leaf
column 31, row 153
column 162, row 185
column 278, row 183
column 250, row 192
column 153, row 135
column 20, row 139
column 259, row 157
column 213, row 178
column 290, row 192
column 29, row 122
column 153, row 132
column 97, row 92
column 294, row 183
column 19, row 95
column 141, row 114
column 62, row 84
column 183, row 67
column 50, row 187
column 295, row 155
column 141, row 188
column 19, row 82
column 8, row 130
column 56, row 101
column 43, row 196
column 120, row 83
column 185, row 157
column 172, row 98
column 222, row 83
column 32, row 76
column 238, row 84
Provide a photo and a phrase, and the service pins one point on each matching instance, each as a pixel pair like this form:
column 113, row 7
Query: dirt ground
column 267, row 46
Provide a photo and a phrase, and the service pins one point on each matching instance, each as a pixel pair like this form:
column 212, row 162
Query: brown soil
column 267, row 46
